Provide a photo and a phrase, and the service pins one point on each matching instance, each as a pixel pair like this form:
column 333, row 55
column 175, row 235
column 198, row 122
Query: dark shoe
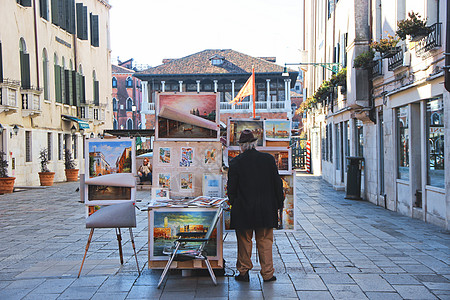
column 242, row 277
column 270, row 279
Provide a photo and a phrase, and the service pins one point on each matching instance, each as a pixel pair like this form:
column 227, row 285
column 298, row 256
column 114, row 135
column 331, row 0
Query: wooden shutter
column 68, row 87
column 96, row 93
column 45, row 71
column 94, row 31
column 26, row 3
column 75, row 89
column 80, row 21
column 25, row 70
column 58, row 83
column 63, row 85
column 83, row 89
column 55, row 12
column 62, row 13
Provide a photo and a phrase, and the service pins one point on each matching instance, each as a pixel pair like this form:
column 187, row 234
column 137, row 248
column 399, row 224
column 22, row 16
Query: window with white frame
column 435, row 142
column 403, row 142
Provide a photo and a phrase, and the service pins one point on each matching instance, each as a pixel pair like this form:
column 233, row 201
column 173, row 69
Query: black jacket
column 255, row 191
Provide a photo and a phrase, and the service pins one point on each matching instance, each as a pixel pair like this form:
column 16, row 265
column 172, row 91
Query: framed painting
column 166, row 223
column 187, row 156
column 286, row 218
column 186, row 181
column 277, row 130
column 282, row 158
column 187, row 116
column 110, row 156
column 164, row 180
column 210, row 156
column 236, row 126
column 164, row 155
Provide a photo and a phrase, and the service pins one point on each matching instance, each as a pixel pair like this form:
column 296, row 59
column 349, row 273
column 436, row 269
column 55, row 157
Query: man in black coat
column 255, row 191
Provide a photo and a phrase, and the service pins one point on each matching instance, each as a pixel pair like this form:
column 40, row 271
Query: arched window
column 45, row 73
column 115, row 124
column 24, row 65
column 129, row 124
column 129, row 82
column 114, row 104
column 114, row 82
column 129, row 104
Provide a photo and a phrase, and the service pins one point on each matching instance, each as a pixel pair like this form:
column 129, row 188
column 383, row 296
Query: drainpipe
column 36, row 43
column 447, row 51
column 372, row 111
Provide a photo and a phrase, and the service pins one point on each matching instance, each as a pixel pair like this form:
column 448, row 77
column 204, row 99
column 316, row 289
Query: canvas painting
column 187, row 116
column 109, row 156
column 164, row 180
column 104, row 192
column 167, row 223
column 286, row 218
column 210, row 156
column 186, row 181
column 164, row 155
column 237, row 126
column 187, row 156
column 277, row 130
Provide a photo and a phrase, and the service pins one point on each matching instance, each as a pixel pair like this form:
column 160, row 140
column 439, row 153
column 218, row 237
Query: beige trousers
column 264, row 241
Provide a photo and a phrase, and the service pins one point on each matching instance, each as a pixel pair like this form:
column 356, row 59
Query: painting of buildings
column 237, row 126
column 104, row 192
column 277, row 130
column 108, row 157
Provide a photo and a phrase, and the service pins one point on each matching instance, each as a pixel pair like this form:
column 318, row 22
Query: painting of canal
column 277, row 130
column 168, row 223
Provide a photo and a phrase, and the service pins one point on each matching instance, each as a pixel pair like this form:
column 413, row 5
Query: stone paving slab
column 343, row 249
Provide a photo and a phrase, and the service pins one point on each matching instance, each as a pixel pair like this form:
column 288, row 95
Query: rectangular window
column 327, row 136
column 75, row 146
column 403, row 142
column 49, row 146
column 359, row 130
column 435, row 142
column 60, row 146
column 330, row 131
column 338, row 147
column 43, row 9
column 28, row 154
column 94, row 30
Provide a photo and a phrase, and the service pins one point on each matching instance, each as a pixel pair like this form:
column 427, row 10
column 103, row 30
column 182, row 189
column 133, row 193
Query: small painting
column 186, row 181
column 187, row 156
column 160, row 193
column 109, row 156
column 286, row 220
column 277, row 130
column 237, row 126
column 105, row 192
column 164, row 180
column 210, row 156
column 164, row 155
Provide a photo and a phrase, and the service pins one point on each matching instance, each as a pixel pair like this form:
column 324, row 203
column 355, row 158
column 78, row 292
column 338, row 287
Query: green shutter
column 55, row 12
column 85, row 23
column 75, row 89
column 96, row 93
column 43, row 8
column 94, row 31
column 26, row 3
column 83, row 89
column 80, row 20
column 67, row 85
column 63, row 85
column 58, row 84
column 45, row 71
column 25, row 70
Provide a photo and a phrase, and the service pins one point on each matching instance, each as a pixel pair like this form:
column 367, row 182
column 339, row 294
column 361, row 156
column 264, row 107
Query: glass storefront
column 403, row 142
column 435, row 142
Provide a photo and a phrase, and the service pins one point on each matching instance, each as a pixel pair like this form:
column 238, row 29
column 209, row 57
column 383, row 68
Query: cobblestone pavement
column 343, row 249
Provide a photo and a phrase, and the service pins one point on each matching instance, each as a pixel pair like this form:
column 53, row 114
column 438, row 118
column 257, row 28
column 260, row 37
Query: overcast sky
column 151, row 30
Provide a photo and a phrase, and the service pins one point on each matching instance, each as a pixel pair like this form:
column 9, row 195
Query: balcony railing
column 260, row 105
column 431, row 41
column 396, row 61
column 377, row 69
column 151, row 106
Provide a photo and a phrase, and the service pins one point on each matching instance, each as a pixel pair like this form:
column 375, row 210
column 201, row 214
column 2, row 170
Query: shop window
column 435, row 131
column 403, row 142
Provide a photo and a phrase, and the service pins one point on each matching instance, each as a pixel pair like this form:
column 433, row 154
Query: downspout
column 36, row 44
column 372, row 111
column 447, row 51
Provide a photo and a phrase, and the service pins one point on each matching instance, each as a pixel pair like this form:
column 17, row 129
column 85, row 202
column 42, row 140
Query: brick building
column 224, row 72
column 127, row 96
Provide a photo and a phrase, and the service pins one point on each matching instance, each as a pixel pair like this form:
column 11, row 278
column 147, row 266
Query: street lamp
column 15, row 130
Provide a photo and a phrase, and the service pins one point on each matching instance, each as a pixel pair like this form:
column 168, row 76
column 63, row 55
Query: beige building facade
column 55, row 82
column 394, row 113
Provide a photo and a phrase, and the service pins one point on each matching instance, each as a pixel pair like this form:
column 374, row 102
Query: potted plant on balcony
column 364, row 60
column 69, row 163
column 45, row 176
column 413, row 26
column 6, row 182
column 386, row 46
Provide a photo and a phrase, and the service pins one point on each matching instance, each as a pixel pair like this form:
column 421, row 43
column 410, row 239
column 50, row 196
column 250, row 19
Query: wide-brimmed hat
column 246, row 137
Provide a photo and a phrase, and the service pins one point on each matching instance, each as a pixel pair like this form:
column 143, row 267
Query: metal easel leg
column 134, row 249
column 168, row 265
